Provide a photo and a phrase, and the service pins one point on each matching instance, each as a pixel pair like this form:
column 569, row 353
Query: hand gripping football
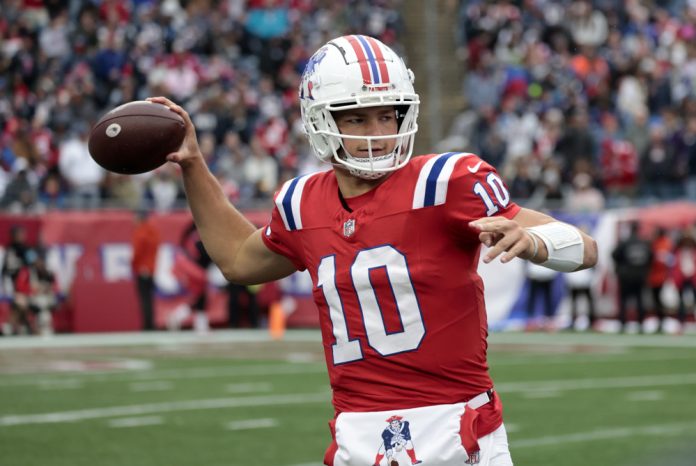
column 136, row 137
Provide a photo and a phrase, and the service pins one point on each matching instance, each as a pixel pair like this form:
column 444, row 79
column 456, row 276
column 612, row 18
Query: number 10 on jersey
column 394, row 262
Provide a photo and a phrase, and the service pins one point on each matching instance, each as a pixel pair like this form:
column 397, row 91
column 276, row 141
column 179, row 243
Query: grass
column 235, row 399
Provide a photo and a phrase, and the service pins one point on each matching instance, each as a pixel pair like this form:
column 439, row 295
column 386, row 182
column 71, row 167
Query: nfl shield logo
column 349, row 227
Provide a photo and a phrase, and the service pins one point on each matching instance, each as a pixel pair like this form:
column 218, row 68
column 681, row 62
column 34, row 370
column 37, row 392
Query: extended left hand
column 506, row 236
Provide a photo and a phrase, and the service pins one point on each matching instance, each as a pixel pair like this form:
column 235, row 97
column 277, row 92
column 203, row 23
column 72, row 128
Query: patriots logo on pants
column 395, row 439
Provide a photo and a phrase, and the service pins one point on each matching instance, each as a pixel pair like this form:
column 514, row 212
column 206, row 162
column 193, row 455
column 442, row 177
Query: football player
column 392, row 244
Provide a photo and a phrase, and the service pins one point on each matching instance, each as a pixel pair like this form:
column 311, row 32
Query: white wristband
column 566, row 249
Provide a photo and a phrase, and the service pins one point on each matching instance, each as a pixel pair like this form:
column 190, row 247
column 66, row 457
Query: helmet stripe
column 371, row 57
column 361, row 59
column 380, row 59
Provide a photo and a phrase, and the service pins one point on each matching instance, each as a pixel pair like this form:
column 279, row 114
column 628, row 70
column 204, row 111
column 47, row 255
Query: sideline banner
column 90, row 253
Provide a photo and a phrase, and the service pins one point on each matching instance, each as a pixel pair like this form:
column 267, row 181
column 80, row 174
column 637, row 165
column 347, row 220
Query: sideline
column 227, row 336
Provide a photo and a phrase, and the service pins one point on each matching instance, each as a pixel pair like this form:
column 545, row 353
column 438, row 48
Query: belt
column 480, row 399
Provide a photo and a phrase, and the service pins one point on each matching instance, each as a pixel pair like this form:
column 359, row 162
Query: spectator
column 145, row 243
column 540, row 285
column 20, row 193
column 81, row 171
column 261, row 172
column 685, row 148
column 658, row 166
column 618, row 160
column 43, row 299
column 684, row 271
column 587, row 25
column 235, row 307
column 632, row 259
column 583, row 197
column 579, row 285
column 662, row 259
column 16, row 281
column 576, row 144
column 192, row 262
column 163, row 189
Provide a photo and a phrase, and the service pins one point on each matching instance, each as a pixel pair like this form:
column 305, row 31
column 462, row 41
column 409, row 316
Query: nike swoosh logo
column 475, row 168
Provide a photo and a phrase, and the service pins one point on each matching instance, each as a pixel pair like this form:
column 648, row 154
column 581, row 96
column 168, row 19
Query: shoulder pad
column 431, row 187
column 288, row 201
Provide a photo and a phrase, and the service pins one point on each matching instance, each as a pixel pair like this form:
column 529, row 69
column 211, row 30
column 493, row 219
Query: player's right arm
column 234, row 243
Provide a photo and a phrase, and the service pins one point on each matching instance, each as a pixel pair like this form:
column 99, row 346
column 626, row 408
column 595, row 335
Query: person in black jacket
column 632, row 259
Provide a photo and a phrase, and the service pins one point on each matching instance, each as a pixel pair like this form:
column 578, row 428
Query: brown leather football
column 136, row 137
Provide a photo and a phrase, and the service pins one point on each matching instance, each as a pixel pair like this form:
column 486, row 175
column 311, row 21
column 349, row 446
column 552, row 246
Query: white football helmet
column 357, row 72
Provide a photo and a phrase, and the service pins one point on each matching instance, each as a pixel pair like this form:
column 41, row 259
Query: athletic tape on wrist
column 564, row 244
column 536, row 245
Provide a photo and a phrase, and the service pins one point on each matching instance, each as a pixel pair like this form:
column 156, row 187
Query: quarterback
column 392, row 243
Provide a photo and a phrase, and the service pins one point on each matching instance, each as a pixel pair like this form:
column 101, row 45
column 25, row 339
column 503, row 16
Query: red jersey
column 401, row 304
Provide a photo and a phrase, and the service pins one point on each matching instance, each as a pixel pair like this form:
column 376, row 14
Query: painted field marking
column 604, row 434
column 194, row 373
column 248, row 387
column 60, row 384
column 135, row 421
column 166, row 407
column 599, row 358
column 252, row 424
column 598, row 383
column 541, row 394
column 646, row 395
column 151, row 386
column 190, row 405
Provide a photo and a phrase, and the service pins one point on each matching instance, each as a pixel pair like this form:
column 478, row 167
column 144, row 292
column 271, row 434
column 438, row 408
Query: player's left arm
column 537, row 237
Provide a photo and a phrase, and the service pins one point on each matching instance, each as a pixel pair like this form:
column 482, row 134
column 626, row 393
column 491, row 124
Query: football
column 136, row 137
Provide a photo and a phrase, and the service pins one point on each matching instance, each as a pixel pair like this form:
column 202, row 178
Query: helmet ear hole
column 400, row 114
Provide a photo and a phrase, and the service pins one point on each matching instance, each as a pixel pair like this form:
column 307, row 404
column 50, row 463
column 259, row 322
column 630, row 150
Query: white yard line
column 152, row 408
column 191, row 405
column 182, row 339
column 248, row 387
column 151, row 386
column 248, row 424
column 60, row 384
column 598, row 383
column 193, row 373
column 135, row 421
column 577, row 358
column 604, row 434
column 77, row 340
column 595, row 340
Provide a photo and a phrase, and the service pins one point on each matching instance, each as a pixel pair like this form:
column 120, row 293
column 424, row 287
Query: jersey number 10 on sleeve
column 501, row 193
column 387, row 257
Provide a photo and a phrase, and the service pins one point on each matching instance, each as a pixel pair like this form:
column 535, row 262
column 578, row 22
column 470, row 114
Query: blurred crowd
column 582, row 104
column 235, row 65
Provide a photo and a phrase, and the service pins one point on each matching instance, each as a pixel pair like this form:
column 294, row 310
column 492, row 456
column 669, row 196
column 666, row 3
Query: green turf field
column 234, row 399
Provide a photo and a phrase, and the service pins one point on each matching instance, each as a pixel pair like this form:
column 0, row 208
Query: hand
column 504, row 236
column 189, row 150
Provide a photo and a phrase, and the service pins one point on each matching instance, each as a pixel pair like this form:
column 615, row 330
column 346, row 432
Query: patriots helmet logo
column 307, row 84
column 396, row 439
